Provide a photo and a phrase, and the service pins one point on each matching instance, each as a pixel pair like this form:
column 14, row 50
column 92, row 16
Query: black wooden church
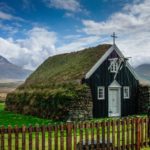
column 114, row 85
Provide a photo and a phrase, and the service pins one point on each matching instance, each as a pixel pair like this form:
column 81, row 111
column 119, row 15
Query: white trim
column 104, row 57
column 114, row 84
column 119, row 96
column 103, row 92
column 114, row 65
column 99, row 62
column 127, row 63
column 128, row 88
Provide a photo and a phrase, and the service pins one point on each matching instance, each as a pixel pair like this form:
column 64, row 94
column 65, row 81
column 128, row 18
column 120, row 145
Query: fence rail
column 118, row 134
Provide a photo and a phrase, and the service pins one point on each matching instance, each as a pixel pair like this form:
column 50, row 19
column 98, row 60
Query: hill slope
column 11, row 71
column 64, row 68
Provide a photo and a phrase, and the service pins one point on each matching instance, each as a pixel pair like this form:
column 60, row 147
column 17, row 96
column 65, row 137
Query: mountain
column 143, row 71
column 11, row 71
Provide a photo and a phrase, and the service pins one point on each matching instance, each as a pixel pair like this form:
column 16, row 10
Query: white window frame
column 128, row 89
column 114, row 68
column 114, row 65
column 103, row 92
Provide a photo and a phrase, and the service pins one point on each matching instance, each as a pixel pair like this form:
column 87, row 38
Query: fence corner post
column 69, row 135
column 138, row 134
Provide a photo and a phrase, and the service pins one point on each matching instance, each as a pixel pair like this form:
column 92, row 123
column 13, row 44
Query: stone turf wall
column 82, row 109
column 143, row 99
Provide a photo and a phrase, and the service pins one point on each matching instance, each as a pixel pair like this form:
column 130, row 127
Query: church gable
column 116, row 58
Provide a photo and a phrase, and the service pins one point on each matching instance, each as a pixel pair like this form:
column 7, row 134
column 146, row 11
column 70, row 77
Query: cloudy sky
column 33, row 30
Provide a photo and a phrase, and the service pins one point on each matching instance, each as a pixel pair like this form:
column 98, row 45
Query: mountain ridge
column 12, row 71
column 143, row 71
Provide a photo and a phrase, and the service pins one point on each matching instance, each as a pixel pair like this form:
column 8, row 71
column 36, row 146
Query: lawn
column 9, row 118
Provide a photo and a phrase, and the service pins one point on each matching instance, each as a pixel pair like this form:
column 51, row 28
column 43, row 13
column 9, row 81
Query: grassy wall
column 52, row 104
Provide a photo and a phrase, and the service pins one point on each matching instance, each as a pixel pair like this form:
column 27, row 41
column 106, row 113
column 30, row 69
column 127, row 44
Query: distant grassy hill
column 64, row 68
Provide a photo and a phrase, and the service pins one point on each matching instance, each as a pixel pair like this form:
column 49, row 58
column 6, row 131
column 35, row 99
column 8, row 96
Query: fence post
column 43, row 137
column 148, row 130
column 16, row 138
column 30, row 137
column 2, row 137
column 23, row 137
column 138, row 134
column 37, row 137
column 9, row 137
column 69, row 135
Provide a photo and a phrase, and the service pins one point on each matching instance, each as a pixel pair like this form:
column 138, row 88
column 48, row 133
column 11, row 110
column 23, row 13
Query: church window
column 114, row 65
column 101, row 93
column 126, row 92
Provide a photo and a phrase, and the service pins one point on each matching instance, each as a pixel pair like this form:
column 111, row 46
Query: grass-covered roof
column 64, row 68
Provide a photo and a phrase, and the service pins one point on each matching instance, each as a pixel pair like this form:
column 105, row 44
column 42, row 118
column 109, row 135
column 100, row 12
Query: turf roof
column 64, row 68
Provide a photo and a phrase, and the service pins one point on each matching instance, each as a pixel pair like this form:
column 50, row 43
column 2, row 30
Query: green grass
column 9, row 118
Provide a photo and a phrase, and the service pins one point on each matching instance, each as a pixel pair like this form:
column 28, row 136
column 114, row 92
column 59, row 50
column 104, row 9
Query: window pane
column 126, row 92
column 100, row 93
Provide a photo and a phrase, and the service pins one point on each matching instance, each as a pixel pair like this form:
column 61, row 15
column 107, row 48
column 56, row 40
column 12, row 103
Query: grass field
column 9, row 118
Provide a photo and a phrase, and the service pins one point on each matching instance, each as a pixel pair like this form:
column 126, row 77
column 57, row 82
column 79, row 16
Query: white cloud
column 69, row 5
column 11, row 30
column 7, row 16
column 29, row 52
column 133, row 27
column 39, row 45
column 78, row 44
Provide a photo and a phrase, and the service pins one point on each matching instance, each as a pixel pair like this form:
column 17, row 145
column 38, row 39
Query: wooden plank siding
column 103, row 77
